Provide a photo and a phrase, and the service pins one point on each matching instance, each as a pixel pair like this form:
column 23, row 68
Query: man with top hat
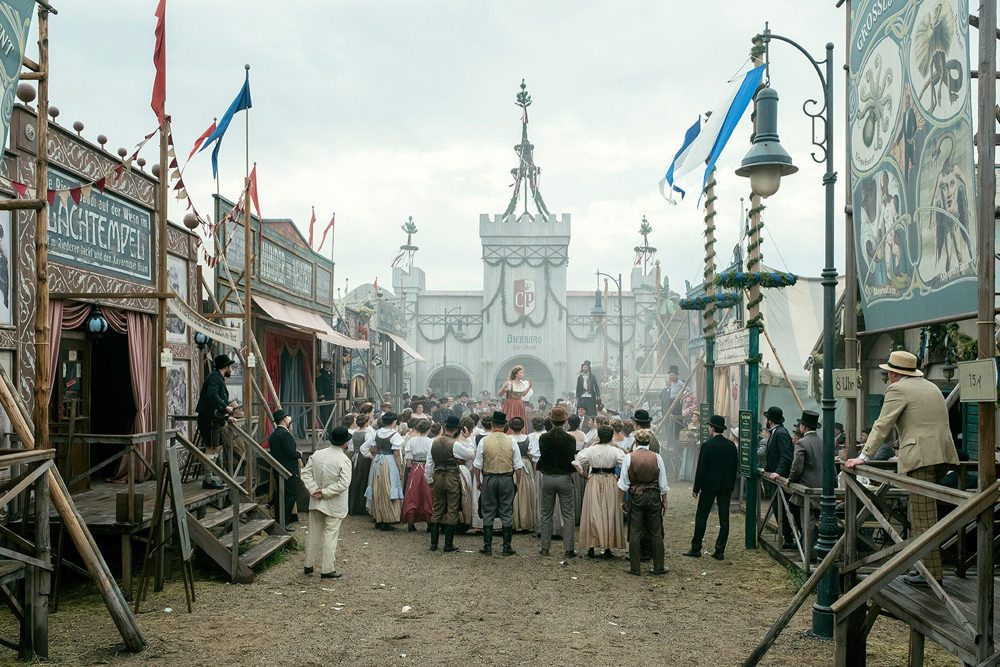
column 917, row 409
column 643, row 422
column 556, row 452
column 214, row 410
column 714, row 480
column 644, row 478
column 807, row 461
column 443, row 474
column 498, row 468
column 778, row 460
column 588, row 389
column 281, row 444
column 327, row 477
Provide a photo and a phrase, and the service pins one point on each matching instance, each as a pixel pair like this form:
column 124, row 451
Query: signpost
column 977, row 381
column 845, row 383
column 747, row 449
column 732, row 347
column 704, row 414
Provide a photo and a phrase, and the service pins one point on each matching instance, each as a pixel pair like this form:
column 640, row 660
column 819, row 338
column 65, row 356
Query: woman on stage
column 513, row 391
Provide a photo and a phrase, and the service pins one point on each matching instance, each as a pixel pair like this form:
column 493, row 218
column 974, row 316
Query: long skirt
column 359, row 484
column 580, row 487
column 557, row 526
column 525, row 500
column 602, row 525
column 417, row 502
column 385, row 490
column 513, row 407
column 465, row 512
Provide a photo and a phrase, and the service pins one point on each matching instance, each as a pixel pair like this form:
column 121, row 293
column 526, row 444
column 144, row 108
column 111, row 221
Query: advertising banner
column 911, row 155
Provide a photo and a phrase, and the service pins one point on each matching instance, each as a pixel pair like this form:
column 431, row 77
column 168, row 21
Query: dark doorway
column 112, row 408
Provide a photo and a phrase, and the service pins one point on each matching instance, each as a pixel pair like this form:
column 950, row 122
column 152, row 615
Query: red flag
column 160, row 61
column 204, row 135
column 376, row 287
column 100, row 183
column 20, row 188
column 51, row 196
column 312, row 226
column 256, row 205
column 75, row 194
column 329, row 226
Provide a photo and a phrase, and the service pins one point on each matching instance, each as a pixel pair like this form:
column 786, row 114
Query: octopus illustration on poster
column 912, row 166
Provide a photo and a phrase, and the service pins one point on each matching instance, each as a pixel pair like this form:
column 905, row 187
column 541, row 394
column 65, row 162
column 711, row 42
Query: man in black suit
column 557, row 449
column 325, row 392
column 588, row 390
column 714, row 480
column 282, row 445
column 778, row 460
column 214, row 411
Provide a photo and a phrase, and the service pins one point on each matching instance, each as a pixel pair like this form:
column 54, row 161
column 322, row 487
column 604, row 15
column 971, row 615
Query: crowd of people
column 573, row 473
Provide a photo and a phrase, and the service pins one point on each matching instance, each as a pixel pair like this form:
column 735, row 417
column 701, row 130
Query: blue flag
column 679, row 159
column 241, row 103
column 740, row 103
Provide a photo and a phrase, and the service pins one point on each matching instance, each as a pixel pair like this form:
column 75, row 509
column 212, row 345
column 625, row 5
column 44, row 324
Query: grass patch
column 796, row 578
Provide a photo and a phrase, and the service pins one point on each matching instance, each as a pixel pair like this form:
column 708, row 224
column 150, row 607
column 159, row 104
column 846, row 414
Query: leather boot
column 435, row 531
column 487, row 549
column 449, row 538
column 508, row 532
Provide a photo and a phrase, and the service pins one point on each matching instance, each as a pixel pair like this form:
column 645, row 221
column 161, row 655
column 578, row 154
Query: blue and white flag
column 704, row 148
column 679, row 158
column 241, row 103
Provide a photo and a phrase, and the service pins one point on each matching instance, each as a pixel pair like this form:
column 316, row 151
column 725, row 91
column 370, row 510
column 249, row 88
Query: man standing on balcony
column 588, row 389
column 917, row 409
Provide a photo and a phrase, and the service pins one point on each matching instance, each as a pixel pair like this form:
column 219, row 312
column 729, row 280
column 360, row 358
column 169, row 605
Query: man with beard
column 214, row 411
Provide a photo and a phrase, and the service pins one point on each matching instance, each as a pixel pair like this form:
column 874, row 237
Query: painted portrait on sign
column 7, row 272
column 177, row 282
column 178, row 391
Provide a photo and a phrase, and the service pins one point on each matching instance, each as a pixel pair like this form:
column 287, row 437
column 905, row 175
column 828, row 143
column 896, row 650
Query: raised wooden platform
column 917, row 607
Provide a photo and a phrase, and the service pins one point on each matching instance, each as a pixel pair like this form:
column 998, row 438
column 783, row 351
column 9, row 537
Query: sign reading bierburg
column 911, row 159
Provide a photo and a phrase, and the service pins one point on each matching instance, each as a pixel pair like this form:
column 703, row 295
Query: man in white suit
column 327, row 477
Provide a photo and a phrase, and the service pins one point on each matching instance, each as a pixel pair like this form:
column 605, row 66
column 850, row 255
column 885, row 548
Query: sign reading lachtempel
column 102, row 233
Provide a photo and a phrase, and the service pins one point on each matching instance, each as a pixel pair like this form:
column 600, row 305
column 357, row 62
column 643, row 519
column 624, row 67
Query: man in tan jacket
column 917, row 409
column 327, row 477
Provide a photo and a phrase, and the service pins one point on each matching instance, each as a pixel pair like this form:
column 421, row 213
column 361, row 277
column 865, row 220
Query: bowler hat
column 718, row 422
column 902, row 363
column 558, row 415
column 641, row 417
column 452, row 422
column 278, row 415
column 339, row 435
column 499, row 418
column 388, row 418
column 674, row 370
column 775, row 414
column 222, row 361
column 810, row 419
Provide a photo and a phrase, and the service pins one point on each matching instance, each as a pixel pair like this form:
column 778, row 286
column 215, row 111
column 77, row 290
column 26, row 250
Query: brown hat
column 558, row 415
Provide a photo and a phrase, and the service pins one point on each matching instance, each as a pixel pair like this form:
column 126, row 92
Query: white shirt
column 586, row 385
column 369, row 446
column 534, row 453
column 418, row 447
column 460, row 450
column 518, row 462
column 591, row 437
column 627, row 443
column 599, row 456
column 623, row 480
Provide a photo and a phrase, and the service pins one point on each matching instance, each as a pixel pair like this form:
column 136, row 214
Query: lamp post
column 765, row 164
column 598, row 314
column 444, row 371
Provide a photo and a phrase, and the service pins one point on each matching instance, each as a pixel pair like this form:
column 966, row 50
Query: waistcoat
column 498, row 456
column 642, row 468
column 443, row 453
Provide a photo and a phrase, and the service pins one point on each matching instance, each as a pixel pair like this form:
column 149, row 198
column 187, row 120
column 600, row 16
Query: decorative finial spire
column 526, row 173
column 644, row 253
column 409, row 228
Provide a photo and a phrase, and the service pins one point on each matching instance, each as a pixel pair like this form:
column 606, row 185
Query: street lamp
column 765, row 164
column 598, row 314
column 447, row 312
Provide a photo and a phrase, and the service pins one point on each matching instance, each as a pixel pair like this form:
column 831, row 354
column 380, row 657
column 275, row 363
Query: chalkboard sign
column 704, row 414
column 180, row 512
column 747, row 449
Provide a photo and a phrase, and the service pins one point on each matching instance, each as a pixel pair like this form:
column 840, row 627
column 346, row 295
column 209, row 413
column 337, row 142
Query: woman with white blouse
column 601, row 523
column 417, row 501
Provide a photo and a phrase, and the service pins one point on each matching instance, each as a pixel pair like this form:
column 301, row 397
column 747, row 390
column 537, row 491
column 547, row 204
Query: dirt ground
column 399, row 604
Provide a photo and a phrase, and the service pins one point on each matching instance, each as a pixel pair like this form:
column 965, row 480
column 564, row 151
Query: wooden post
column 40, row 579
column 709, row 316
column 986, row 181
column 41, row 407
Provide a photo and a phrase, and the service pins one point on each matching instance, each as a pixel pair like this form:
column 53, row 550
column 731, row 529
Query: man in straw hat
column 327, row 477
column 644, row 478
column 714, row 480
column 917, row 409
column 498, row 461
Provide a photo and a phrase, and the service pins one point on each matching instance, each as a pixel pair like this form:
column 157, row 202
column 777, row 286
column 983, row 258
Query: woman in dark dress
column 362, row 465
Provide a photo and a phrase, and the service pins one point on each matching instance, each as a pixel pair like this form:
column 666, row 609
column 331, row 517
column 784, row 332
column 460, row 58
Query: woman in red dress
column 514, row 390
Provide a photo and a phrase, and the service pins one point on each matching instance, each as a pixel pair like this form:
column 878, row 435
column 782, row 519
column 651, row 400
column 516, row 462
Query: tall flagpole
column 248, row 302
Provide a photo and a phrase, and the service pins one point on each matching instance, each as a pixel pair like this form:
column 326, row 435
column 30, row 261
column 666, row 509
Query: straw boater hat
column 902, row 363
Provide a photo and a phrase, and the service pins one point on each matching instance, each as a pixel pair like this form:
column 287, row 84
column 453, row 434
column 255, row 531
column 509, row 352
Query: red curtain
column 139, row 329
column 274, row 344
column 62, row 315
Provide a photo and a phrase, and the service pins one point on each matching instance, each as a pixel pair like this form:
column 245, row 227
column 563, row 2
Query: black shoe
column 307, row 570
column 411, row 528
column 693, row 553
column 659, row 572
column 435, row 533
column 289, row 528
column 331, row 575
column 719, row 554
column 569, row 554
column 212, row 483
column 388, row 526
column 915, row 580
column 508, row 532
column 634, row 573
column 590, row 553
column 608, row 554
column 487, row 549
column 449, row 539
column 543, row 552
column 789, row 546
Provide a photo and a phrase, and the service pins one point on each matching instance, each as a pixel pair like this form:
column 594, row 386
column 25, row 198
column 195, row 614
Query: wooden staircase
column 241, row 534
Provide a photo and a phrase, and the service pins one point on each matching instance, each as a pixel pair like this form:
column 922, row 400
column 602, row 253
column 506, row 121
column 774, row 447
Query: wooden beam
column 936, row 491
column 23, row 204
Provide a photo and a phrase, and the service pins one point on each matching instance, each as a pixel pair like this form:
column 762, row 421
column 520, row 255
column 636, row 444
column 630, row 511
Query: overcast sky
column 382, row 110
